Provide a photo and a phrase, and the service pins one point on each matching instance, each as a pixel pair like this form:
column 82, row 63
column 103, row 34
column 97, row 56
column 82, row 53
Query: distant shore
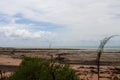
column 62, row 47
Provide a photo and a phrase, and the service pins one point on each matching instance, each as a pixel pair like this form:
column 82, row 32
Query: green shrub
column 41, row 69
column 115, row 78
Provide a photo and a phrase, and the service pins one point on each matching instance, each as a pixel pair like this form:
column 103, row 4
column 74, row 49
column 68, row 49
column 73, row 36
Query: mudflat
column 83, row 61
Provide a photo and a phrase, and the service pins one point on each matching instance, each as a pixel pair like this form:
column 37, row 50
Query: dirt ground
column 8, row 64
column 82, row 64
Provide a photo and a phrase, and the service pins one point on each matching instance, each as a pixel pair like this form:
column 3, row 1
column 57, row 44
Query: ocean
column 71, row 47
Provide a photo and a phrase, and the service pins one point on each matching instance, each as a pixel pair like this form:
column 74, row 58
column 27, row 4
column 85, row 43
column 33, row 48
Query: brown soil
column 82, row 62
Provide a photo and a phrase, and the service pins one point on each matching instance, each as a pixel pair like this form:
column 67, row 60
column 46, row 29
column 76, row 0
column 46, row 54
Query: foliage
column 100, row 50
column 41, row 69
column 115, row 78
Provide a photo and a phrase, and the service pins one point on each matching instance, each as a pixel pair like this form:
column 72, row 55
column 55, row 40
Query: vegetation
column 115, row 78
column 41, row 69
column 100, row 50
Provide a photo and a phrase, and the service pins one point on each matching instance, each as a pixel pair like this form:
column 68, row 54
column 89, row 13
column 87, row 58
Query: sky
column 58, row 22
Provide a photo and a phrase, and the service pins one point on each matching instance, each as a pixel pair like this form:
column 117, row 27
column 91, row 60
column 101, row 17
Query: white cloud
column 83, row 20
column 16, row 31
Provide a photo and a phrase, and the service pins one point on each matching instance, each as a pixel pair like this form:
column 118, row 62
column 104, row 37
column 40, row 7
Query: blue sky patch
column 4, row 19
column 47, row 26
column 36, row 25
column 116, row 16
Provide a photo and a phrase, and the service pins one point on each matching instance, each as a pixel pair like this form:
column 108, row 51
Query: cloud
column 15, row 31
column 82, row 20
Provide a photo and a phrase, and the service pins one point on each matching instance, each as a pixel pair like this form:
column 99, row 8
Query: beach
column 83, row 61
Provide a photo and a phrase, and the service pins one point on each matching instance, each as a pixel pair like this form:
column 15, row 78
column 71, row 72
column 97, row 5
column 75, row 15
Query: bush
column 115, row 78
column 41, row 69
